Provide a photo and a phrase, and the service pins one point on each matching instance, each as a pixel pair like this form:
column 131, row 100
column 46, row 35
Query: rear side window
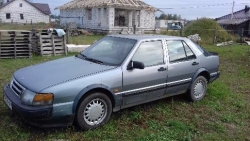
column 189, row 52
column 176, row 51
column 179, row 51
column 150, row 53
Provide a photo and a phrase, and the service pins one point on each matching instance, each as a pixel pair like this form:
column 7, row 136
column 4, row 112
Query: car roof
column 147, row 37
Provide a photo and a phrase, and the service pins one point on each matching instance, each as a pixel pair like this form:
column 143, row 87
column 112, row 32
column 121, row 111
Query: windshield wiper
column 81, row 56
column 94, row 60
column 89, row 59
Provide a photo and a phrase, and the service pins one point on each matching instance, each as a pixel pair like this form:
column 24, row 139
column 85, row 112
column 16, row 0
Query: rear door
column 183, row 64
column 149, row 83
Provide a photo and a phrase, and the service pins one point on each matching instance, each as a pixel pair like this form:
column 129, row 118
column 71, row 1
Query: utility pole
column 232, row 11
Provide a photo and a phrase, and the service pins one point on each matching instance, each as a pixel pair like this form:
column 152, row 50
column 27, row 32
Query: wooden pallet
column 47, row 44
column 15, row 44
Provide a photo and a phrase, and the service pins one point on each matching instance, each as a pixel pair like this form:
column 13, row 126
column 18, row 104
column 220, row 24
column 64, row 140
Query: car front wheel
column 198, row 89
column 94, row 111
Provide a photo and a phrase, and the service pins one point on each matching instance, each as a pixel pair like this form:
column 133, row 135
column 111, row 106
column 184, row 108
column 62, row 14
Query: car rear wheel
column 94, row 111
column 198, row 89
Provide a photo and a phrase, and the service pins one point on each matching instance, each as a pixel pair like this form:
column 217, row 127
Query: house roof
column 238, row 17
column 231, row 21
column 105, row 3
column 6, row 4
column 43, row 7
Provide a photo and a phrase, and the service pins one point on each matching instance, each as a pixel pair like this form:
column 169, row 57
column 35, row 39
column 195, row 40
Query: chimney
column 247, row 8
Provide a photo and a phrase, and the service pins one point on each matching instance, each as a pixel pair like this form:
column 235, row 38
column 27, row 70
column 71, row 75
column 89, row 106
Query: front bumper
column 36, row 115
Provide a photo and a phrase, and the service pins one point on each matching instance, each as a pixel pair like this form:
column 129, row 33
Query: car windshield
column 109, row 50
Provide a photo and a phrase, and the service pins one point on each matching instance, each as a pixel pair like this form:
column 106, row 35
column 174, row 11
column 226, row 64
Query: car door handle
column 162, row 69
column 195, row 63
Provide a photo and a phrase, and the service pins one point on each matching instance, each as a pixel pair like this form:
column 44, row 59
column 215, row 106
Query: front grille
column 16, row 87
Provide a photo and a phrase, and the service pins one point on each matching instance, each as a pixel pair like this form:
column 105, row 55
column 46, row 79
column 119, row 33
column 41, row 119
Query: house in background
column 237, row 21
column 109, row 15
column 164, row 24
column 23, row 11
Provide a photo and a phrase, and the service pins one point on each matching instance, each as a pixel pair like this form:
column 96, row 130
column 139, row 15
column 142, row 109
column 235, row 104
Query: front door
column 183, row 64
column 150, row 82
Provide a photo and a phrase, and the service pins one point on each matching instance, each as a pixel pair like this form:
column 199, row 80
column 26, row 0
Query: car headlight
column 43, row 99
column 36, row 99
column 27, row 96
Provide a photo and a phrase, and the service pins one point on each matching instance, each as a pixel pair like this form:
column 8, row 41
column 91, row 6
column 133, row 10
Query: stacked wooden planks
column 15, row 44
column 47, row 44
column 35, row 42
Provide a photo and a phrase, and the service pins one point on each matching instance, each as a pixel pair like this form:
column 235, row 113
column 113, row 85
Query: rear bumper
column 214, row 76
column 36, row 115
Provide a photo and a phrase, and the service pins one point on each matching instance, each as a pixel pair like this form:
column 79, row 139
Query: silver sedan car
column 114, row 73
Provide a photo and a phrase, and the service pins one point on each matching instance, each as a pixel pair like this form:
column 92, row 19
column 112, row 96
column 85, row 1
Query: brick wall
column 149, row 19
column 103, row 19
column 30, row 13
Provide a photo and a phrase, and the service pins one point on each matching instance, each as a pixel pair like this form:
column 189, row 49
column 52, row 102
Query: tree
column 1, row 3
column 169, row 17
column 179, row 17
column 163, row 17
column 174, row 17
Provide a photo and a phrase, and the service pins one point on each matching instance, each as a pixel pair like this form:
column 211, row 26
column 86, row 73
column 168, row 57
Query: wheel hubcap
column 199, row 89
column 95, row 112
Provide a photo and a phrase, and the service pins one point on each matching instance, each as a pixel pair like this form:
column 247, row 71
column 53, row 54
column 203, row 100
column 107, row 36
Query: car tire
column 198, row 89
column 94, row 111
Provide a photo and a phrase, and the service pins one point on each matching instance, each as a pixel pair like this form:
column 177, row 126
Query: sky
column 188, row 9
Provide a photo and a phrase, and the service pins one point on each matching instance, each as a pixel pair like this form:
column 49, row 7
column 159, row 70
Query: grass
column 84, row 40
column 223, row 115
column 170, row 32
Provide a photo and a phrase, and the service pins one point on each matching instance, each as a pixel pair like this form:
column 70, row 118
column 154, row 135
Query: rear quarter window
column 203, row 51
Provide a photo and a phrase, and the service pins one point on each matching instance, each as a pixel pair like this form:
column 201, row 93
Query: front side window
column 8, row 16
column 20, row 5
column 150, row 53
column 110, row 50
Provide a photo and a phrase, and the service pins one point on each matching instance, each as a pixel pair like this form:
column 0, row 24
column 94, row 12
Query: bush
column 170, row 32
column 206, row 29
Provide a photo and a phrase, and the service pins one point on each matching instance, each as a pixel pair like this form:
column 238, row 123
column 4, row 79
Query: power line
column 193, row 7
column 244, row 3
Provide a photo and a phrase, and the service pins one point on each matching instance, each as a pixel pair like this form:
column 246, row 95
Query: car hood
column 45, row 75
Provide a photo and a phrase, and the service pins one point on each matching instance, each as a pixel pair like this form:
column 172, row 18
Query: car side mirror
column 135, row 65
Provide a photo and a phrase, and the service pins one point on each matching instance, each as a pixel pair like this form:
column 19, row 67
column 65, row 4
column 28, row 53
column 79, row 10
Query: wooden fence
column 15, row 44
column 47, row 44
